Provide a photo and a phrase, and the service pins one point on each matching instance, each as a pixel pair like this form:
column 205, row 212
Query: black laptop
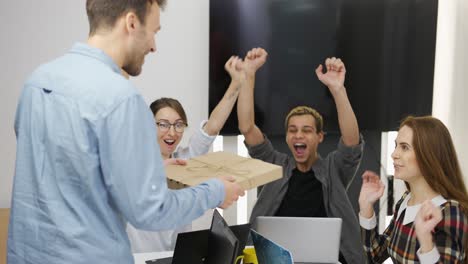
column 220, row 244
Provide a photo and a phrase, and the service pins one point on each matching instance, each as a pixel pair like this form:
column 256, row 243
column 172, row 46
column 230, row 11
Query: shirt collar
column 411, row 211
column 90, row 51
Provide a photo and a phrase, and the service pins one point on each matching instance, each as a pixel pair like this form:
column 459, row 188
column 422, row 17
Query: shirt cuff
column 368, row 223
column 430, row 257
column 203, row 132
column 353, row 151
column 257, row 150
column 217, row 184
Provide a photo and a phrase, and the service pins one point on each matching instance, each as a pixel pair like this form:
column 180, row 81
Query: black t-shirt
column 304, row 197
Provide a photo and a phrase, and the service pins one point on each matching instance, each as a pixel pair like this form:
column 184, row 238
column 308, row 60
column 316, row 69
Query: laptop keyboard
column 160, row 261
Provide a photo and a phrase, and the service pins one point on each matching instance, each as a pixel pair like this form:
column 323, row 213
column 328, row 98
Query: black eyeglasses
column 164, row 126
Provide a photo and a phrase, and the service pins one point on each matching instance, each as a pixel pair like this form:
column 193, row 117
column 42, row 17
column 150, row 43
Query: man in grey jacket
column 312, row 186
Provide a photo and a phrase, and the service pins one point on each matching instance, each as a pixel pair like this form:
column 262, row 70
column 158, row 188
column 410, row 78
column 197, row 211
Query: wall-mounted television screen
column 388, row 48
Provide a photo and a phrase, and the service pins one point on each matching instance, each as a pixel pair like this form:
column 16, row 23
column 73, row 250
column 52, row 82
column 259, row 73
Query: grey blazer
column 334, row 172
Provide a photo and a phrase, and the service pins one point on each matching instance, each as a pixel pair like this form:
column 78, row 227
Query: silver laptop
column 309, row 239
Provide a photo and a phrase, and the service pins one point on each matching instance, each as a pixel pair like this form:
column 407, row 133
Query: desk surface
column 140, row 258
column 4, row 217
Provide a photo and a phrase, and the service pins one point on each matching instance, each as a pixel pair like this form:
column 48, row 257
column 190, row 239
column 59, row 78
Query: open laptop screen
column 304, row 236
column 222, row 242
column 268, row 251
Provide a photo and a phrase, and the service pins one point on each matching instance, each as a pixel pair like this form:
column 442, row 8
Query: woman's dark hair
column 169, row 102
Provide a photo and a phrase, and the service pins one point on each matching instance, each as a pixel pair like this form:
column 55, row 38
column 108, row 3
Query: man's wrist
column 250, row 73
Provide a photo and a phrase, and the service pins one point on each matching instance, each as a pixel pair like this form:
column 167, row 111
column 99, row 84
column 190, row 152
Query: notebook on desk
column 309, row 239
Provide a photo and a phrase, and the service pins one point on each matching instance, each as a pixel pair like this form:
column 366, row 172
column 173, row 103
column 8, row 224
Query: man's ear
column 131, row 21
column 321, row 136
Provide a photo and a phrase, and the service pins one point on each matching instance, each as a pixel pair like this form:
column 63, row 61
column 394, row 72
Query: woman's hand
column 174, row 162
column 426, row 220
column 371, row 191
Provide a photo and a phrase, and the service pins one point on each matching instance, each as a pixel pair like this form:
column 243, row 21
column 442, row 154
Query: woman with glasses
column 171, row 122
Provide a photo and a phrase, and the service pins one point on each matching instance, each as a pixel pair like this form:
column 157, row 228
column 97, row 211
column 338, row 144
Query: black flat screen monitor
column 388, row 48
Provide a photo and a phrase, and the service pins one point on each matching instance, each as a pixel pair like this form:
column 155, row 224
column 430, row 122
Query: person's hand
column 232, row 191
column 334, row 75
column 426, row 220
column 234, row 67
column 371, row 191
column 174, row 162
column 254, row 59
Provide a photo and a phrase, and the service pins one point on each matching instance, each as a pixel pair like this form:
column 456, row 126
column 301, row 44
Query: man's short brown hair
column 103, row 14
column 305, row 110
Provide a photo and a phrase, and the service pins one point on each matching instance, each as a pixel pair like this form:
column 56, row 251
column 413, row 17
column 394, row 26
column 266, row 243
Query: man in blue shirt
column 87, row 158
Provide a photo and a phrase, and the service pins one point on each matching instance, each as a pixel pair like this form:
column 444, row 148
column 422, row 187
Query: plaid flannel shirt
column 399, row 241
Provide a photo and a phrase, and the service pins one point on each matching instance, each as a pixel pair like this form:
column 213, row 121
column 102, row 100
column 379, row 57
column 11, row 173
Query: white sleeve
column 430, row 257
column 368, row 223
column 199, row 144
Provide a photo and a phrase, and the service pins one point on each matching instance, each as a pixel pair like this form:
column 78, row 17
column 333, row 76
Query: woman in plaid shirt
column 430, row 223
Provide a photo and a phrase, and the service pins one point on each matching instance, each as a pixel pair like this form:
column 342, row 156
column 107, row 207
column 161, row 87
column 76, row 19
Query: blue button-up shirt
column 87, row 162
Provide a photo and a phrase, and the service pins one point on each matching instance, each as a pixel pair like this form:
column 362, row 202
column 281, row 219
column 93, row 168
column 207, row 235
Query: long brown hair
column 437, row 158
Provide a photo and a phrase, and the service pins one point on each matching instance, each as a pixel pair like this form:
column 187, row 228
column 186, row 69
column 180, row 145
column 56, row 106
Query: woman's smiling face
column 168, row 139
column 404, row 157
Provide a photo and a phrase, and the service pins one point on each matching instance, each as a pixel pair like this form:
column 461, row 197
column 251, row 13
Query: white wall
column 33, row 32
column 451, row 75
column 459, row 122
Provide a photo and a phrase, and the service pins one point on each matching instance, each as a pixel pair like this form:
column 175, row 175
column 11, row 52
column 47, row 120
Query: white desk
column 140, row 258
